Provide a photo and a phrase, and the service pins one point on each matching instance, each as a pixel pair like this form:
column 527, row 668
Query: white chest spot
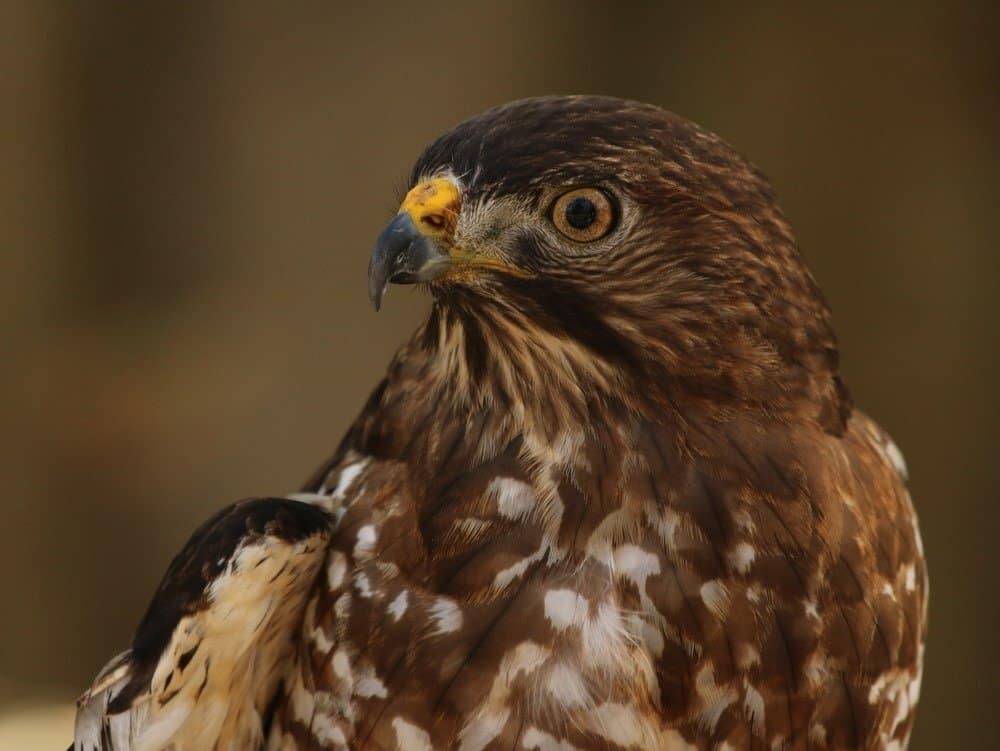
column 741, row 557
column 716, row 597
column 565, row 608
column 410, row 737
column 539, row 740
column 347, row 477
column 514, row 499
column 398, row 605
column 365, row 545
column 446, row 616
column 637, row 565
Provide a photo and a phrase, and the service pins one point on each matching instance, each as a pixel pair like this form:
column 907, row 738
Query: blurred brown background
column 189, row 195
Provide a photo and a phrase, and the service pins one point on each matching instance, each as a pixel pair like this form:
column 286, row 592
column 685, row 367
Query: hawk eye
column 584, row 214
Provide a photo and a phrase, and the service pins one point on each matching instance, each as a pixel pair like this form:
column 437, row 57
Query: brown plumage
column 613, row 493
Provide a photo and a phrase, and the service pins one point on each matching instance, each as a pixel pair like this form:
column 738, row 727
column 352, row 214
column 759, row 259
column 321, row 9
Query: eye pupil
column 580, row 213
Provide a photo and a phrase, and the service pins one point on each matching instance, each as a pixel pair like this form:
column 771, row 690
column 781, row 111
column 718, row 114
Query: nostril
column 436, row 221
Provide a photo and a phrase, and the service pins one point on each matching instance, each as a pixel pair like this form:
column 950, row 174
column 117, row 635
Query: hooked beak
column 404, row 255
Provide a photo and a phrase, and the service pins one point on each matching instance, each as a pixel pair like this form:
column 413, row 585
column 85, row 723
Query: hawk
column 612, row 494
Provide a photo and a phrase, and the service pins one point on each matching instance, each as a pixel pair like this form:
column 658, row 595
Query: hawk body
column 611, row 495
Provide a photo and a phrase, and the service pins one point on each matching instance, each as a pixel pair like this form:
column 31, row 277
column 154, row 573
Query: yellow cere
column 433, row 205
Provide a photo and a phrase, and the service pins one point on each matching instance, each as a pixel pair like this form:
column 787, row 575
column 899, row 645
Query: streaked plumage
column 612, row 494
column 210, row 652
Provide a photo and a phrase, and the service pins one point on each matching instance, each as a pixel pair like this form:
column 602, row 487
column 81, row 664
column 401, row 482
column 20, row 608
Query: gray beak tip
column 376, row 290
column 402, row 255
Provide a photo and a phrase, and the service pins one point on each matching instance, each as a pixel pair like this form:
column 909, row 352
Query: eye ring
column 584, row 214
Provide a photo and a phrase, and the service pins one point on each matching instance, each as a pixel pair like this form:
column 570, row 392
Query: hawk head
column 604, row 247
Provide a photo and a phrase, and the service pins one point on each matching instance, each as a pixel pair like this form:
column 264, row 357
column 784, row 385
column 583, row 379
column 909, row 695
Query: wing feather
column 208, row 655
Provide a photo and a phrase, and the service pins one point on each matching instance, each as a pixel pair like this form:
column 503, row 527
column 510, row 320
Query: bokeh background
column 188, row 196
